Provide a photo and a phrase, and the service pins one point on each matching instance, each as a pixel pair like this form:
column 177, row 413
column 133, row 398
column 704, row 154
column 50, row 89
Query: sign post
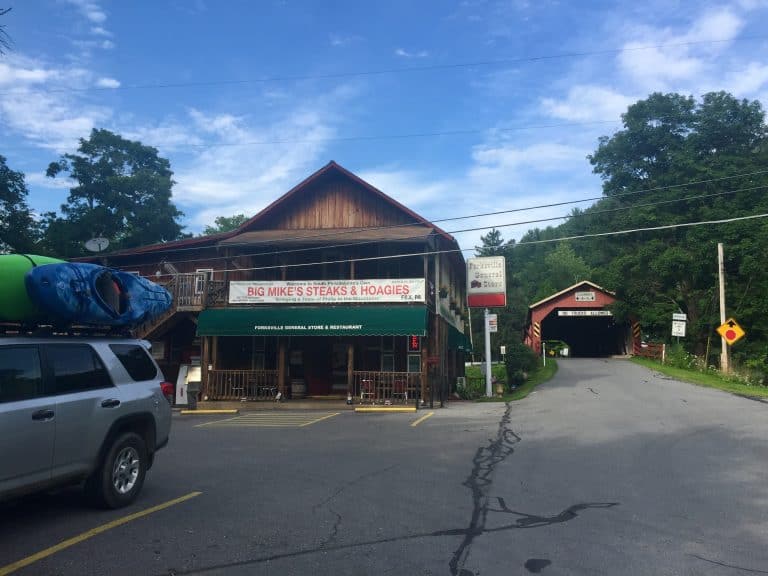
column 488, row 376
column 487, row 286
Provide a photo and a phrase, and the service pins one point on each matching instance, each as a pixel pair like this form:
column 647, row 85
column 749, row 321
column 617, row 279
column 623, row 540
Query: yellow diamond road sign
column 731, row 331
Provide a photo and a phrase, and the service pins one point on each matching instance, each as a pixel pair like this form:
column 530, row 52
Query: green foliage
column 123, row 193
column 225, row 224
column 667, row 142
column 18, row 230
column 520, row 361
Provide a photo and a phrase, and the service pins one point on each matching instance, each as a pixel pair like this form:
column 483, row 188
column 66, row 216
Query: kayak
column 15, row 303
column 83, row 293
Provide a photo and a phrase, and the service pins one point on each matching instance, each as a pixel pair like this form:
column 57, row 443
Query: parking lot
column 250, row 488
column 608, row 469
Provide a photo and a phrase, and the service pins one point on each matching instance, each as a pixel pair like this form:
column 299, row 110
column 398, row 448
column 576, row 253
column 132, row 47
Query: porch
column 372, row 387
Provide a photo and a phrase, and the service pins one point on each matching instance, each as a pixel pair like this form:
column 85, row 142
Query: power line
column 481, row 215
column 453, row 251
column 536, row 221
column 477, row 229
column 373, row 137
column 383, row 71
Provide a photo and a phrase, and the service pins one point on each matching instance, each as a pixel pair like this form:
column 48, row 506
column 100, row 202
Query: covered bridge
column 580, row 316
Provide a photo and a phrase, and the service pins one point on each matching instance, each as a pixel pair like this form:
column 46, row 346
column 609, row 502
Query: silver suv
column 80, row 409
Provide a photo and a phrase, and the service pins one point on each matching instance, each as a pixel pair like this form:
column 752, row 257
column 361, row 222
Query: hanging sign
column 486, row 282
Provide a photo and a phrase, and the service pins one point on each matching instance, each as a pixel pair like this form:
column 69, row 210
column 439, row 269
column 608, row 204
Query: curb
column 209, row 411
column 385, row 409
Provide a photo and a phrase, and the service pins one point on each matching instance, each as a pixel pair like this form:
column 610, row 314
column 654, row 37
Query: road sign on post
column 730, row 331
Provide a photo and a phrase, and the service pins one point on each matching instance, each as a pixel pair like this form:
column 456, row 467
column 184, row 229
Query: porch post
column 281, row 345
column 350, row 371
column 205, row 360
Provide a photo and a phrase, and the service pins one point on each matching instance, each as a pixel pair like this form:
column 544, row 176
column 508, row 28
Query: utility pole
column 725, row 364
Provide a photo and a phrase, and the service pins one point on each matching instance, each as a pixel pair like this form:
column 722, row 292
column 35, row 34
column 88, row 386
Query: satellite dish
column 96, row 244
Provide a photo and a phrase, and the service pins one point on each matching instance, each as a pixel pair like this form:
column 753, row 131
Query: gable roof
column 577, row 285
column 330, row 168
column 245, row 227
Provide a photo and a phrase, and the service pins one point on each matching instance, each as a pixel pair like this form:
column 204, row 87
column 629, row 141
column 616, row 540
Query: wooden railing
column 196, row 292
column 652, row 351
column 241, row 385
column 383, row 387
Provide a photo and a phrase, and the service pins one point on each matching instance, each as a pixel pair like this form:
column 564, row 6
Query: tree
column 123, row 193
column 225, row 224
column 667, row 141
column 18, row 229
column 493, row 244
column 5, row 40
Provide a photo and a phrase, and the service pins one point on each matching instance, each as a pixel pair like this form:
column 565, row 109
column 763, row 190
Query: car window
column 20, row 376
column 135, row 360
column 76, row 367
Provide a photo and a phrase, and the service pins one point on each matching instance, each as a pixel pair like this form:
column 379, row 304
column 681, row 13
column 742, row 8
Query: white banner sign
column 327, row 291
column 584, row 313
column 493, row 323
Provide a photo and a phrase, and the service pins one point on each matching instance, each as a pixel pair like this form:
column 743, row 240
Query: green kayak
column 15, row 304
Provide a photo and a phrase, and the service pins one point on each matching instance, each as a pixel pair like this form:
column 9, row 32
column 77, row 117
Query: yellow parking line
column 211, row 422
column 420, row 420
column 10, row 568
column 319, row 419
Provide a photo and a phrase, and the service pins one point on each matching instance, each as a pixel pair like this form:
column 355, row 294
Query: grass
column 707, row 379
column 541, row 375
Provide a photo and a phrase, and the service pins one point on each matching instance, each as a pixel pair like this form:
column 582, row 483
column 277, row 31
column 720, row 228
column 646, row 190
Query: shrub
column 520, row 361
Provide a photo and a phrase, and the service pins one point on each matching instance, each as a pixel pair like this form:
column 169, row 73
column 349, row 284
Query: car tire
column 119, row 479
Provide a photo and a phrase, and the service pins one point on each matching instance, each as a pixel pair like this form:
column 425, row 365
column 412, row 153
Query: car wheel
column 119, row 479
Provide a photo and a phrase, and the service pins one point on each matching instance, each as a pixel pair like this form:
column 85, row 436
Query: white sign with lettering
column 585, row 296
column 584, row 313
column 327, row 291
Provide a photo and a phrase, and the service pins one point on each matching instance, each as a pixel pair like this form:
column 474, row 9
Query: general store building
column 333, row 289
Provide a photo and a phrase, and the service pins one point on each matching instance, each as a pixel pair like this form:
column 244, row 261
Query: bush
column 520, row 361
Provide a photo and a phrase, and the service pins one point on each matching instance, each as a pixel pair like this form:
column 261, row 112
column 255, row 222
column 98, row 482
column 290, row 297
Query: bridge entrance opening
column 586, row 336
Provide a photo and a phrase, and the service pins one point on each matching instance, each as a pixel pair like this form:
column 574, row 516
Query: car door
column 87, row 403
column 27, row 420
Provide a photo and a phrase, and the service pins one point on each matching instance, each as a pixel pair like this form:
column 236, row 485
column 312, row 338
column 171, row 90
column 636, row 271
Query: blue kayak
column 82, row 293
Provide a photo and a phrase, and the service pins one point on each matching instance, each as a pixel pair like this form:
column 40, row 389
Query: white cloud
column 91, row 10
column 340, row 40
column 100, row 31
column 588, row 102
column 406, row 54
column 107, row 83
column 52, row 119
column 750, row 80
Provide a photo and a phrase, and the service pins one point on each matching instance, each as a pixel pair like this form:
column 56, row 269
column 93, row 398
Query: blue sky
column 247, row 98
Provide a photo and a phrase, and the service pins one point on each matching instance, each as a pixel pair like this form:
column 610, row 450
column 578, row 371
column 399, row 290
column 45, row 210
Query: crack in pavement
column 479, row 481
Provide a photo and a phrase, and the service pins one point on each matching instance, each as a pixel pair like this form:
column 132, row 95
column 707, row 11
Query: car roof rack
column 53, row 330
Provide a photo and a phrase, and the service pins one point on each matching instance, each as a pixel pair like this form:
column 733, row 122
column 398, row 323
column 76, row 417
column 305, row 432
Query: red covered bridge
column 580, row 316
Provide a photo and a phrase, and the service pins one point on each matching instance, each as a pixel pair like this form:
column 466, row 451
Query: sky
column 451, row 108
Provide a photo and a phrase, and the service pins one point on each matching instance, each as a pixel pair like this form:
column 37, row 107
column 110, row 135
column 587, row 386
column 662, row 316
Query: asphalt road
column 608, row 469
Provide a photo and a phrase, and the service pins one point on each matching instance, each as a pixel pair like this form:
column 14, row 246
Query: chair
column 400, row 390
column 367, row 390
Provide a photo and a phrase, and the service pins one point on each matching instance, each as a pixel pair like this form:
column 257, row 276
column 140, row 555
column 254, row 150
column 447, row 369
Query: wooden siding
column 332, row 202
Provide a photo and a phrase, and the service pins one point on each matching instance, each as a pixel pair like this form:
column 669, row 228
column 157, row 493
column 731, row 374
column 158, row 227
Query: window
column 202, row 275
column 387, row 362
column 135, row 361
column 414, row 363
column 20, row 377
column 76, row 368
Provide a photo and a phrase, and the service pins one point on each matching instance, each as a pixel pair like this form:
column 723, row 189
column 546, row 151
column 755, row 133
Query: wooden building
column 333, row 289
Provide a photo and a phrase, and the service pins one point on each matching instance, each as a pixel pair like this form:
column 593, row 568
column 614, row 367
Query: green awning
column 314, row 321
column 458, row 341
